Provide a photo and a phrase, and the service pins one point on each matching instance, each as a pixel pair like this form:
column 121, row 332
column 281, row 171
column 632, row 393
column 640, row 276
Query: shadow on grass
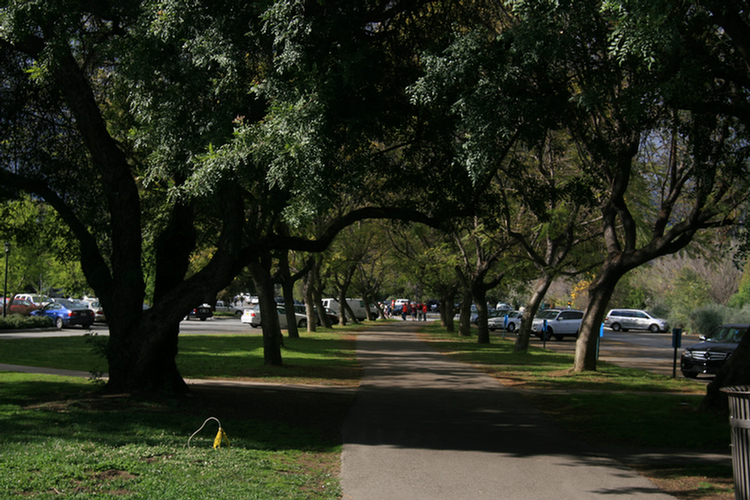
column 39, row 408
column 313, row 360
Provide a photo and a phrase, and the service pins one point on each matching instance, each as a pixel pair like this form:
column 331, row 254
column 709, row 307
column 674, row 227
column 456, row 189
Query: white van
column 357, row 306
column 634, row 319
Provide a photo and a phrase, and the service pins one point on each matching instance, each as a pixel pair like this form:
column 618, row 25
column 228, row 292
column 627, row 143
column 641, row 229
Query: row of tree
column 576, row 136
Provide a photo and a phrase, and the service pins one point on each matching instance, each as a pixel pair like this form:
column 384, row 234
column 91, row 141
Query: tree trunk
column 144, row 360
column 141, row 356
column 480, row 300
column 272, row 339
column 287, row 287
column 317, row 292
column 600, row 292
column 447, row 305
column 343, row 291
column 464, row 320
column 307, row 292
column 529, row 311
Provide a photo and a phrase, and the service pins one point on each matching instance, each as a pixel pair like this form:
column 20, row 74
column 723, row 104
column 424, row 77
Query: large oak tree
column 174, row 126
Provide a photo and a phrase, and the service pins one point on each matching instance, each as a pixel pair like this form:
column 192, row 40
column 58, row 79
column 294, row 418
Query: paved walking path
column 426, row 427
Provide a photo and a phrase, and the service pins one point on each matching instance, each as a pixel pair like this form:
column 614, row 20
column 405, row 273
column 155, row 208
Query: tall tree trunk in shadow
column 260, row 269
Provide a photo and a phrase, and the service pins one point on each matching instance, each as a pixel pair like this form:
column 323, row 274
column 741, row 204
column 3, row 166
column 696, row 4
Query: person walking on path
column 425, row 427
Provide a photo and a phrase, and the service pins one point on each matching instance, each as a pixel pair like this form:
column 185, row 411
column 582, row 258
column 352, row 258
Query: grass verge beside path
column 326, row 358
column 613, row 408
column 61, row 438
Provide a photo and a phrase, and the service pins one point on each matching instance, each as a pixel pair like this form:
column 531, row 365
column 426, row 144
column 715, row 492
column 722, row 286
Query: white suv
column 634, row 319
column 560, row 323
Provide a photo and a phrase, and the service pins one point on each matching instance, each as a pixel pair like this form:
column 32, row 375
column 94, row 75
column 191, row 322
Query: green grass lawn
column 61, row 438
column 325, row 358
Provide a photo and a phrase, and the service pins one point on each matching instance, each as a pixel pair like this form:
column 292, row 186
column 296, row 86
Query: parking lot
column 645, row 350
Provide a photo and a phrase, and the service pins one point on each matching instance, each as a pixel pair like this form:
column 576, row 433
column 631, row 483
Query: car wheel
column 491, row 329
column 690, row 374
column 654, row 328
column 203, row 318
column 548, row 334
column 615, row 327
column 58, row 323
column 302, row 323
column 511, row 327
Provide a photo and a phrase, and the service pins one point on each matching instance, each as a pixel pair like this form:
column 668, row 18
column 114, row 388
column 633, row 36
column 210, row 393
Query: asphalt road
column 646, row 350
column 635, row 349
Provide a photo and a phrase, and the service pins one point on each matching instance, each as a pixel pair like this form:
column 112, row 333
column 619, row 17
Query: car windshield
column 68, row 304
column 727, row 334
column 548, row 314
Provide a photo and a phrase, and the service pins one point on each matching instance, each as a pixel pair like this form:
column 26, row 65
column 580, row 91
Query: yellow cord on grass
column 221, row 436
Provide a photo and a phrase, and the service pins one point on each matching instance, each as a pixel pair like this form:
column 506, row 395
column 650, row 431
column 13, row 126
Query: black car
column 202, row 312
column 706, row 357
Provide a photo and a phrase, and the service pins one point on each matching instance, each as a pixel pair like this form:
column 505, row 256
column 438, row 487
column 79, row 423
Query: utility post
column 5, row 288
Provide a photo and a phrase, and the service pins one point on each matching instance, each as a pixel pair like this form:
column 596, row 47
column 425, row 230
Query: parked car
column 93, row 304
column 36, row 299
column 356, row 305
column 252, row 317
column 498, row 322
column 98, row 312
column 493, row 313
column 707, row 356
column 202, row 312
column 222, row 306
column 333, row 317
column 67, row 313
column 634, row 319
column 19, row 306
column 560, row 323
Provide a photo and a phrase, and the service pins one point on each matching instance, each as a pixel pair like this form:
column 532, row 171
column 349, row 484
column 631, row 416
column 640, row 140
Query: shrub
column 705, row 319
column 738, row 315
column 18, row 322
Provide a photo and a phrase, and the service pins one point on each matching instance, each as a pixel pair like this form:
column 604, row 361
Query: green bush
column 738, row 315
column 18, row 322
column 705, row 319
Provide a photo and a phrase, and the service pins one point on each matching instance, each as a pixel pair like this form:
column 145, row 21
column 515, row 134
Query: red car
column 20, row 306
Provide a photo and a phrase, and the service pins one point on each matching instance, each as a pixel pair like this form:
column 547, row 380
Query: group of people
column 417, row 311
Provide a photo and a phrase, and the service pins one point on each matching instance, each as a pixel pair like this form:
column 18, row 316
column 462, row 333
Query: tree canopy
column 163, row 130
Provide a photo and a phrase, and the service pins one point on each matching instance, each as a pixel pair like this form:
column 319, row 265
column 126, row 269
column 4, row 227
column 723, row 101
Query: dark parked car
column 202, row 312
column 67, row 313
column 706, row 357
